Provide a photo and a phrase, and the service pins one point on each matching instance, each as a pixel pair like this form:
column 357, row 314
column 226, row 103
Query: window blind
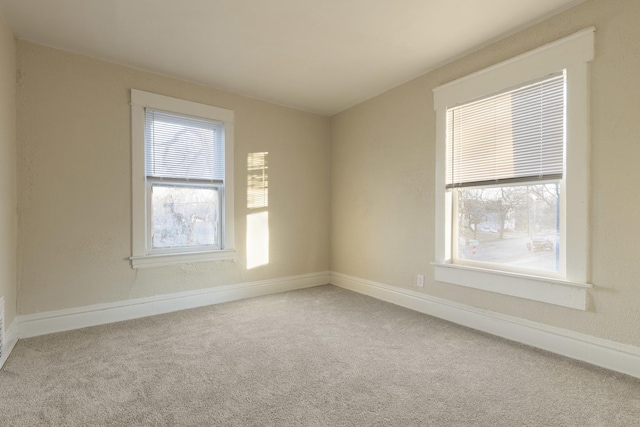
column 183, row 147
column 515, row 136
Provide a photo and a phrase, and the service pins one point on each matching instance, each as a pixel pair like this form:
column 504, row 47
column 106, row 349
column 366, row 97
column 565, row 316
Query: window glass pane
column 184, row 216
column 515, row 226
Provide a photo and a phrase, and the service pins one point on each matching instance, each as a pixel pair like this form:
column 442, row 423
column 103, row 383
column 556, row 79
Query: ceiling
column 321, row 56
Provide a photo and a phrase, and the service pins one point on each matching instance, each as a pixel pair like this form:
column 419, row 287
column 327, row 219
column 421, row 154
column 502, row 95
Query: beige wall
column 8, row 201
column 383, row 180
column 74, row 170
column 374, row 182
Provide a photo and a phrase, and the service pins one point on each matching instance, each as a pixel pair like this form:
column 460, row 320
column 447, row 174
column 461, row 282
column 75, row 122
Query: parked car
column 537, row 244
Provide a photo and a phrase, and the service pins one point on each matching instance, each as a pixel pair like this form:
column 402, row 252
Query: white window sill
column 549, row 290
column 162, row 260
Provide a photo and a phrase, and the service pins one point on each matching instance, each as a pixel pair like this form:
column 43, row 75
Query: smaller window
column 182, row 183
column 184, row 170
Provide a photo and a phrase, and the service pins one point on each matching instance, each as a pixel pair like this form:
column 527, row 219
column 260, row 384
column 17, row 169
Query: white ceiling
column 316, row 55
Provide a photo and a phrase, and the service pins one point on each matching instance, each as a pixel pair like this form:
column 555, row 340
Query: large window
column 512, row 176
column 505, row 167
column 182, row 187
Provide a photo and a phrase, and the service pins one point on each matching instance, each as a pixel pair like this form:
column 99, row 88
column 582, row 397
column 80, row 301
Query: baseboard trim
column 611, row 355
column 10, row 340
column 81, row 317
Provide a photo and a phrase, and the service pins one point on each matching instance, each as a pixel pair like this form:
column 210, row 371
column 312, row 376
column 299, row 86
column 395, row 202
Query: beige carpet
column 316, row 357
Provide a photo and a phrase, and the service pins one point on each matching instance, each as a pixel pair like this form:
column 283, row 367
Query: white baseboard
column 604, row 353
column 607, row 354
column 99, row 314
column 10, row 340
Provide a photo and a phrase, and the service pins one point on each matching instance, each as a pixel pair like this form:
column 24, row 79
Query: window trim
column 572, row 54
column 141, row 254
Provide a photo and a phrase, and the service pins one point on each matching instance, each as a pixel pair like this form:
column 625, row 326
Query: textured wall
column 74, row 189
column 383, row 177
column 8, row 218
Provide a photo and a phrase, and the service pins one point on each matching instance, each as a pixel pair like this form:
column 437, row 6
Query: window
column 182, row 181
column 504, row 169
column 511, row 176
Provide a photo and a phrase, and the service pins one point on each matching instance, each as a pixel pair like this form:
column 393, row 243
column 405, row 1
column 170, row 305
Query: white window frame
column 142, row 254
column 571, row 54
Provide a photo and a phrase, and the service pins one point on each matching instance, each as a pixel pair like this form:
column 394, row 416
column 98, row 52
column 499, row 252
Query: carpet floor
column 321, row 356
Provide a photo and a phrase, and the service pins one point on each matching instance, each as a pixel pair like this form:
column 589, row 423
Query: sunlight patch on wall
column 257, row 239
column 257, row 200
column 257, row 180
